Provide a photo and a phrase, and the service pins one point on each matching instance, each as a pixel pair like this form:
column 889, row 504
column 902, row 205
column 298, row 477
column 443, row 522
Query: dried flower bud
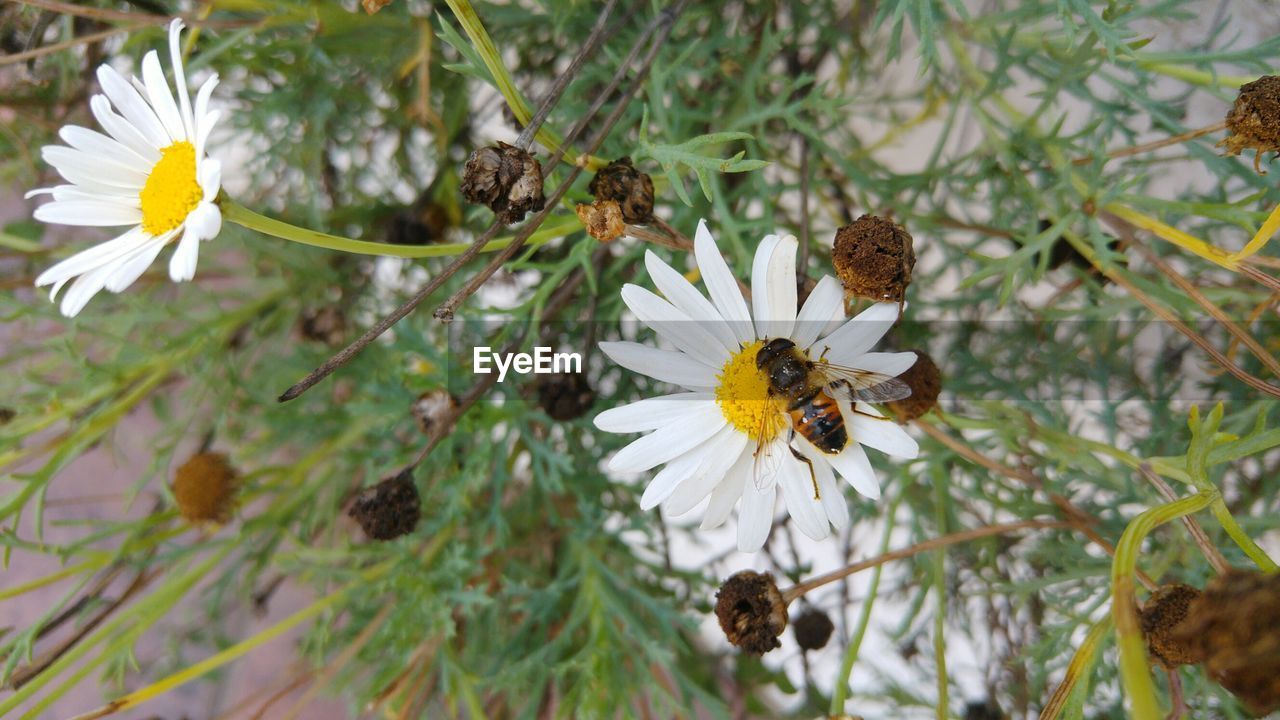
column 631, row 189
column 1235, row 627
column 602, row 219
column 1163, row 612
column 983, row 710
column 874, row 257
column 565, row 396
column 326, row 325
column 813, row 629
column 751, row 611
column 205, row 488
column 506, row 179
column 1254, row 119
column 925, row 382
column 431, row 408
column 389, row 509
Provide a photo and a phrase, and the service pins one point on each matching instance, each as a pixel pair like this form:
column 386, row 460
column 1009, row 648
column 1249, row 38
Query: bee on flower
column 149, row 172
column 773, row 398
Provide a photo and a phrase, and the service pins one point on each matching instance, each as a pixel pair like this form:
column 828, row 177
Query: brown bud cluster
column 751, row 611
column 874, row 257
column 622, row 183
column 565, row 396
column 506, row 179
column 326, row 325
column 1163, row 612
column 204, row 488
column 1235, row 627
column 602, row 219
column 813, row 629
column 1253, row 123
column 389, row 509
column 431, row 410
column 925, row 381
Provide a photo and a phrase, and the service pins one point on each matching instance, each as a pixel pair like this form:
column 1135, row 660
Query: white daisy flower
column 729, row 436
column 149, row 172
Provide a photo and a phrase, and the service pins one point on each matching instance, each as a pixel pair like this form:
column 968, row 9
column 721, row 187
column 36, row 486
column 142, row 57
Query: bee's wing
column 767, row 462
column 857, row 385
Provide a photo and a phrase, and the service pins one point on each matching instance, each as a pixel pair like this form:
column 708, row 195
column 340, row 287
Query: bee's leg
column 812, row 475
column 853, row 408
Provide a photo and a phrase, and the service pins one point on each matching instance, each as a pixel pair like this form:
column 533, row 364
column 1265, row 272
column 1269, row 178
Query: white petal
column 182, row 265
column 209, row 175
column 891, row 364
column 161, row 98
column 756, row 517
column 726, row 494
column 773, row 286
column 882, row 434
column 665, row 365
column 88, row 213
column 75, row 192
column 803, row 499
column 650, row 413
column 122, row 130
column 86, row 170
column 726, row 447
column 687, row 299
column 721, row 285
column 204, row 119
column 180, row 78
column 669, row 441
column 855, row 468
column 132, row 267
column 94, row 257
column 833, row 501
column 204, row 221
column 859, row 335
column 131, row 105
column 824, row 304
column 83, row 290
column 202, row 138
column 104, row 148
column 674, row 326
column 665, row 482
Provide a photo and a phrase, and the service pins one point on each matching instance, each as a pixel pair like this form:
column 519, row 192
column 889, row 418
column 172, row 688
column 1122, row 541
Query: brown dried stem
column 1157, row 144
column 193, row 19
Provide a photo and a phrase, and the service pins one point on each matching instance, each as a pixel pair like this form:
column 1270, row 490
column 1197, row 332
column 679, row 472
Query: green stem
column 243, row 216
column 841, row 692
column 1241, row 538
column 1133, row 651
column 940, row 587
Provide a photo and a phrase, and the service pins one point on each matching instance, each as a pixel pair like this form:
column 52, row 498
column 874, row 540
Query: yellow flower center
column 171, row 192
column 744, row 399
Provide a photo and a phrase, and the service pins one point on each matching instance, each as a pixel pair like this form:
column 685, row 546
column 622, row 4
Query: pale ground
column 108, row 470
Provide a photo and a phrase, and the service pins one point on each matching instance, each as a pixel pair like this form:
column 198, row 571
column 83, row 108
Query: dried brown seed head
column 431, row 409
column 874, row 257
column 813, row 629
column 1253, row 123
column 565, row 396
column 506, row 179
column 621, row 182
column 326, row 325
column 1235, row 627
column 1163, row 612
column 602, row 219
column 925, row 381
column 389, row 509
column 751, row 611
column 205, row 488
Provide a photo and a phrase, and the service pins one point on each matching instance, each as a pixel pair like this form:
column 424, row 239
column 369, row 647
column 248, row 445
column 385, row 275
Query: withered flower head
column 751, row 611
column 1163, row 612
column 431, row 408
column 205, row 488
column 925, row 381
column 621, row 182
column 874, row 257
column 603, row 220
column 813, row 629
column 326, row 325
column 389, row 509
column 1235, row 627
column 506, row 179
column 565, row 396
column 1254, row 119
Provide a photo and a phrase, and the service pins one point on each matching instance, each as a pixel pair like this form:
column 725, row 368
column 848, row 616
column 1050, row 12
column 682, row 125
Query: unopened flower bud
column 204, row 487
column 1163, row 612
column 873, row 257
column 925, row 381
column 389, row 509
column 622, row 183
column 506, row 179
column 751, row 611
column 602, row 219
column 1253, row 123
column 813, row 629
column 565, row 396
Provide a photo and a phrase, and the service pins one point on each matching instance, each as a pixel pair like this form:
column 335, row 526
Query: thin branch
column 1201, row 538
column 1157, row 144
column 192, row 19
